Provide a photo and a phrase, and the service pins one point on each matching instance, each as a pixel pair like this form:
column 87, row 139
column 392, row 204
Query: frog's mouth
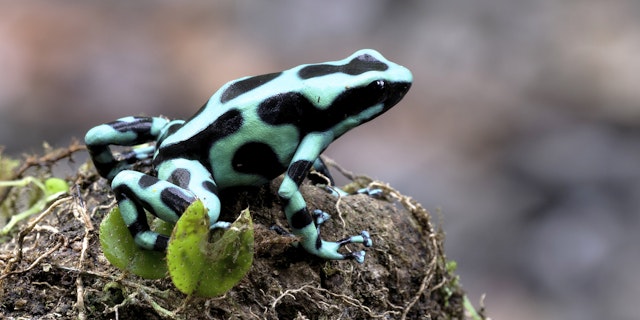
column 368, row 102
column 395, row 93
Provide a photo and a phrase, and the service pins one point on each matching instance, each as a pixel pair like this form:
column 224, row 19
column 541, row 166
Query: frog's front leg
column 301, row 221
column 179, row 183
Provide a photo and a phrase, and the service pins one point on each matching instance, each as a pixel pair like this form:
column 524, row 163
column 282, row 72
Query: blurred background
column 521, row 131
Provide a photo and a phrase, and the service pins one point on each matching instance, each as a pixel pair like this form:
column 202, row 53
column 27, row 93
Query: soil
column 52, row 266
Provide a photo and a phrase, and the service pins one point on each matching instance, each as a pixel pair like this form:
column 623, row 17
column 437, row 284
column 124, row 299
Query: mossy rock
column 404, row 275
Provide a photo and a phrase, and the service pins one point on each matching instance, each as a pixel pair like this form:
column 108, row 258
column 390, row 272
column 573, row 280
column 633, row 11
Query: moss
column 56, row 264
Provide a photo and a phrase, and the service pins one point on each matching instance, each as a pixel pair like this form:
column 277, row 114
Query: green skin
column 250, row 131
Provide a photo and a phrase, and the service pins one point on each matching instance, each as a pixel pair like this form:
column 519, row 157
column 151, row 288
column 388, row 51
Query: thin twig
column 17, row 256
column 37, row 261
column 47, row 159
column 347, row 299
column 80, row 212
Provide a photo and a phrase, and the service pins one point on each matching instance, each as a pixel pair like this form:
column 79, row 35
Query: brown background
column 523, row 124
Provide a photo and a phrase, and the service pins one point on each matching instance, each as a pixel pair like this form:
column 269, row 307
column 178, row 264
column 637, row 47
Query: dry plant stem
column 132, row 284
column 141, row 290
column 115, row 308
column 80, row 213
column 185, row 304
column 346, row 173
column 37, row 261
column 17, row 255
column 348, row 300
column 160, row 310
column 46, row 160
column 337, row 206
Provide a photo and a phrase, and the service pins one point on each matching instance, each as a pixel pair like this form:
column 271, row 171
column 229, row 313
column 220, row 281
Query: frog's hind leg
column 127, row 131
column 135, row 192
column 179, row 183
column 193, row 176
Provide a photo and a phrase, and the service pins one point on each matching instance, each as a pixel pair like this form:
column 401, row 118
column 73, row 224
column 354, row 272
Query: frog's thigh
column 135, row 192
column 196, row 178
column 163, row 199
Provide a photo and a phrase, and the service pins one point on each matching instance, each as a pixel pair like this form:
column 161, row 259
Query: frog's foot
column 329, row 250
column 335, row 191
column 137, row 154
column 281, row 231
column 220, row 225
column 319, row 216
column 371, row 192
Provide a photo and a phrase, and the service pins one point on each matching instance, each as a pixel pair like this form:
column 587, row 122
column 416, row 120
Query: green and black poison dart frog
column 249, row 132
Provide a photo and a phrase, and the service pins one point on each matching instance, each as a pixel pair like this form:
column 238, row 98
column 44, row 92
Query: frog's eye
column 376, row 91
column 355, row 100
column 378, row 84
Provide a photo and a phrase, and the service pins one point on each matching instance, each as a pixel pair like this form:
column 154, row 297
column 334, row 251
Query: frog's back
column 248, row 131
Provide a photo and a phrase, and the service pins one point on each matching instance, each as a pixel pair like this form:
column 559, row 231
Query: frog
column 249, row 132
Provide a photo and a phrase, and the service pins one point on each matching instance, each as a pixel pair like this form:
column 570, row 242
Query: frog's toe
column 372, row 192
column 281, row 231
column 366, row 239
column 329, row 250
column 220, row 225
column 336, row 192
column 363, row 238
column 358, row 256
column 320, row 216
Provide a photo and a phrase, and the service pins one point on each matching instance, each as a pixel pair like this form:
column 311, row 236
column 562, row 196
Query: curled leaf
column 120, row 249
column 209, row 269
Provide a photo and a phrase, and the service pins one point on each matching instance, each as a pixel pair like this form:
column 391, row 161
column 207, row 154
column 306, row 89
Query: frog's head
column 330, row 97
column 355, row 90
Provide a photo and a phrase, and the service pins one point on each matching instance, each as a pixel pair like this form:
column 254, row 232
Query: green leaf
column 209, row 269
column 120, row 249
column 37, row 197
column 55, row 186
column 162, row 227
